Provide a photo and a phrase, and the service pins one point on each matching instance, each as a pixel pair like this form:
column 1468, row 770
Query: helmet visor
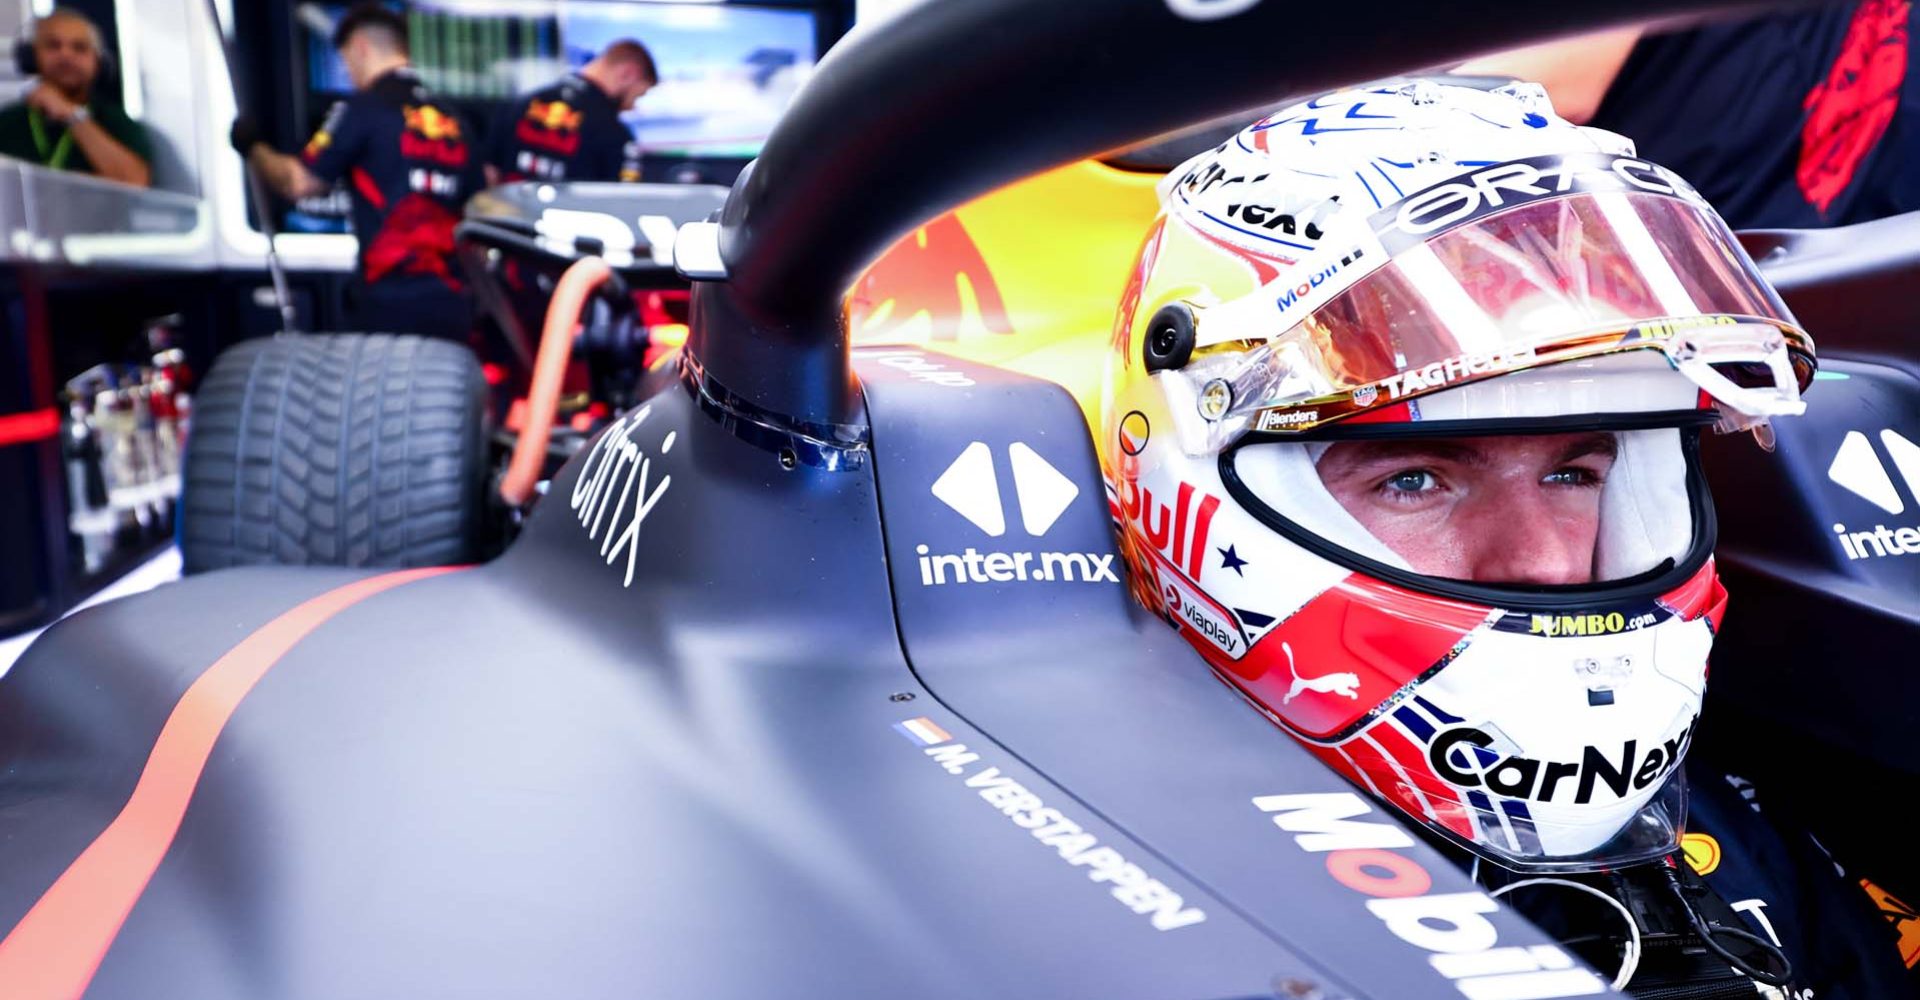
column 1551, row 280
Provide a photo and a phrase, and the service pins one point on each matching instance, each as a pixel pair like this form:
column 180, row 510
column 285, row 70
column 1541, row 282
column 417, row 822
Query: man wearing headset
column 64, row 123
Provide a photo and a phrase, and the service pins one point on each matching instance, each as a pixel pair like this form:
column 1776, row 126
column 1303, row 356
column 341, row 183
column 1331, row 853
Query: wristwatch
column 80, row 114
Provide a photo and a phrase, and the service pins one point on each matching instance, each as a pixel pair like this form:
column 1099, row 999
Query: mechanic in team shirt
column 1797, row 118
column 409, row 167
column 571, row 131
column 1437, row 426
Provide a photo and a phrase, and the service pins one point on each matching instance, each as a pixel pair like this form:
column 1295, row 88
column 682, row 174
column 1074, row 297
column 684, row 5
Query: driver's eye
column 1410, row 482
column 1575, row 476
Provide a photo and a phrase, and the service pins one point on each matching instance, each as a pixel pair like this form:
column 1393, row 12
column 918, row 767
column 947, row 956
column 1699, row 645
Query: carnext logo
column 1859, row 470
column 971, row 487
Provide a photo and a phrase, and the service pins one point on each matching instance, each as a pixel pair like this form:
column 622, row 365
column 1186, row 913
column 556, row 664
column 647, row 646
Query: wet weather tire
column 336, row 450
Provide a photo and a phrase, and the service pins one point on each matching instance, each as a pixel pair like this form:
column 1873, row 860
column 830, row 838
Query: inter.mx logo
column 971, row 486
column 1857, row 468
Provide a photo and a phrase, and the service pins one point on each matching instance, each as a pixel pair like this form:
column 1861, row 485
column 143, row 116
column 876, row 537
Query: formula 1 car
column 750, row 707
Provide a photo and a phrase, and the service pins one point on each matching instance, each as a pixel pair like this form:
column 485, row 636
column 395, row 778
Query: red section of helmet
column 1349, row 652
column 1398, row 413
column 1702, row 595
column 1400, row 762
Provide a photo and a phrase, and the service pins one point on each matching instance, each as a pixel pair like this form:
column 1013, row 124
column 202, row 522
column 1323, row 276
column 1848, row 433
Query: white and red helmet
column 1433, row 261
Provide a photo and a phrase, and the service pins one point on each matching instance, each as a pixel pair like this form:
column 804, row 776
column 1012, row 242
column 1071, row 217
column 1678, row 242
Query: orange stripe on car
column 54, row 951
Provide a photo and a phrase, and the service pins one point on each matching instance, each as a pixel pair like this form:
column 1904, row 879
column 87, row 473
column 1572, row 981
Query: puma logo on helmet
column 1344, row 684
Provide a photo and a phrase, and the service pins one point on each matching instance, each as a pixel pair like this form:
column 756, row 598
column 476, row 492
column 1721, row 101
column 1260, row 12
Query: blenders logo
column 1505, row 185
column 1856, row 468
column 1286, row 420
column 1463, row 756
column 971, row 488
column 1454, row 927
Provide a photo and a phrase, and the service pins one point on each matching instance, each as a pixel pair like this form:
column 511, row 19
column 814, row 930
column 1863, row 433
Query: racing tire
column 336, row 450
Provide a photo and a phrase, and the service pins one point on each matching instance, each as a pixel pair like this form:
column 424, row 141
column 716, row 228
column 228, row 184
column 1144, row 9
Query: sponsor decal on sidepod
column 1857, row 469
column 1463, row 945
column 616, row 492
column 971, row 488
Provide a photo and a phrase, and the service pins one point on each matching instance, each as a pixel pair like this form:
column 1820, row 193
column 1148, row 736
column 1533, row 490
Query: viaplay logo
column 971, row 487
column 1858, row 469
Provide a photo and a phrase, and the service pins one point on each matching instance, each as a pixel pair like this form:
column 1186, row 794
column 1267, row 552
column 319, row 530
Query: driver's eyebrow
column 1401, row 451
column 1590, row 444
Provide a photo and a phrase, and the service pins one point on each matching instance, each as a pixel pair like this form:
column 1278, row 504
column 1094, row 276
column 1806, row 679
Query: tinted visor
column 1551, row 280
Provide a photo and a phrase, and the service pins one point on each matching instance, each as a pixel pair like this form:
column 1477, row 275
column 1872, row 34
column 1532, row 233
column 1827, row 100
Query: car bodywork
column 750, row 707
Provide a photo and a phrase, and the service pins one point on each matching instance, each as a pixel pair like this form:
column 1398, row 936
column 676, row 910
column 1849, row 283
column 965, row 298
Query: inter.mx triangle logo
column 1857, row 468
column 971, row 487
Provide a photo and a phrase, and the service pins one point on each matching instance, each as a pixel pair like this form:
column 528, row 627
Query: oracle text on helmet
column 1505, row 185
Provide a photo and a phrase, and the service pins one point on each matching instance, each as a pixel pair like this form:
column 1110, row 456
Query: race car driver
column 571, row 131
column 1432, row 364
column 410, row 168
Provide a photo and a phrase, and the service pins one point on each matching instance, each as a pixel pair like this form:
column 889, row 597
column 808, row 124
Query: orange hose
column 549, row 370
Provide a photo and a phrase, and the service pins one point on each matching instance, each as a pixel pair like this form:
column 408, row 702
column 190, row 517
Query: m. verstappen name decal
column 1521, row 777
column 616, row 491
column 1126, row 882
column 1464, row 944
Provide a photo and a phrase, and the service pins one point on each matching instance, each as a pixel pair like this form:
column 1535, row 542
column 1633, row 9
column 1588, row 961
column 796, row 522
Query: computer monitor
column 727, row 71
column 463, row 50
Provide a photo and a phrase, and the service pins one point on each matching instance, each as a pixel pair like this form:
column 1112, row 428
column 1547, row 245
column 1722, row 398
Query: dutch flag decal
column 922, row 731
